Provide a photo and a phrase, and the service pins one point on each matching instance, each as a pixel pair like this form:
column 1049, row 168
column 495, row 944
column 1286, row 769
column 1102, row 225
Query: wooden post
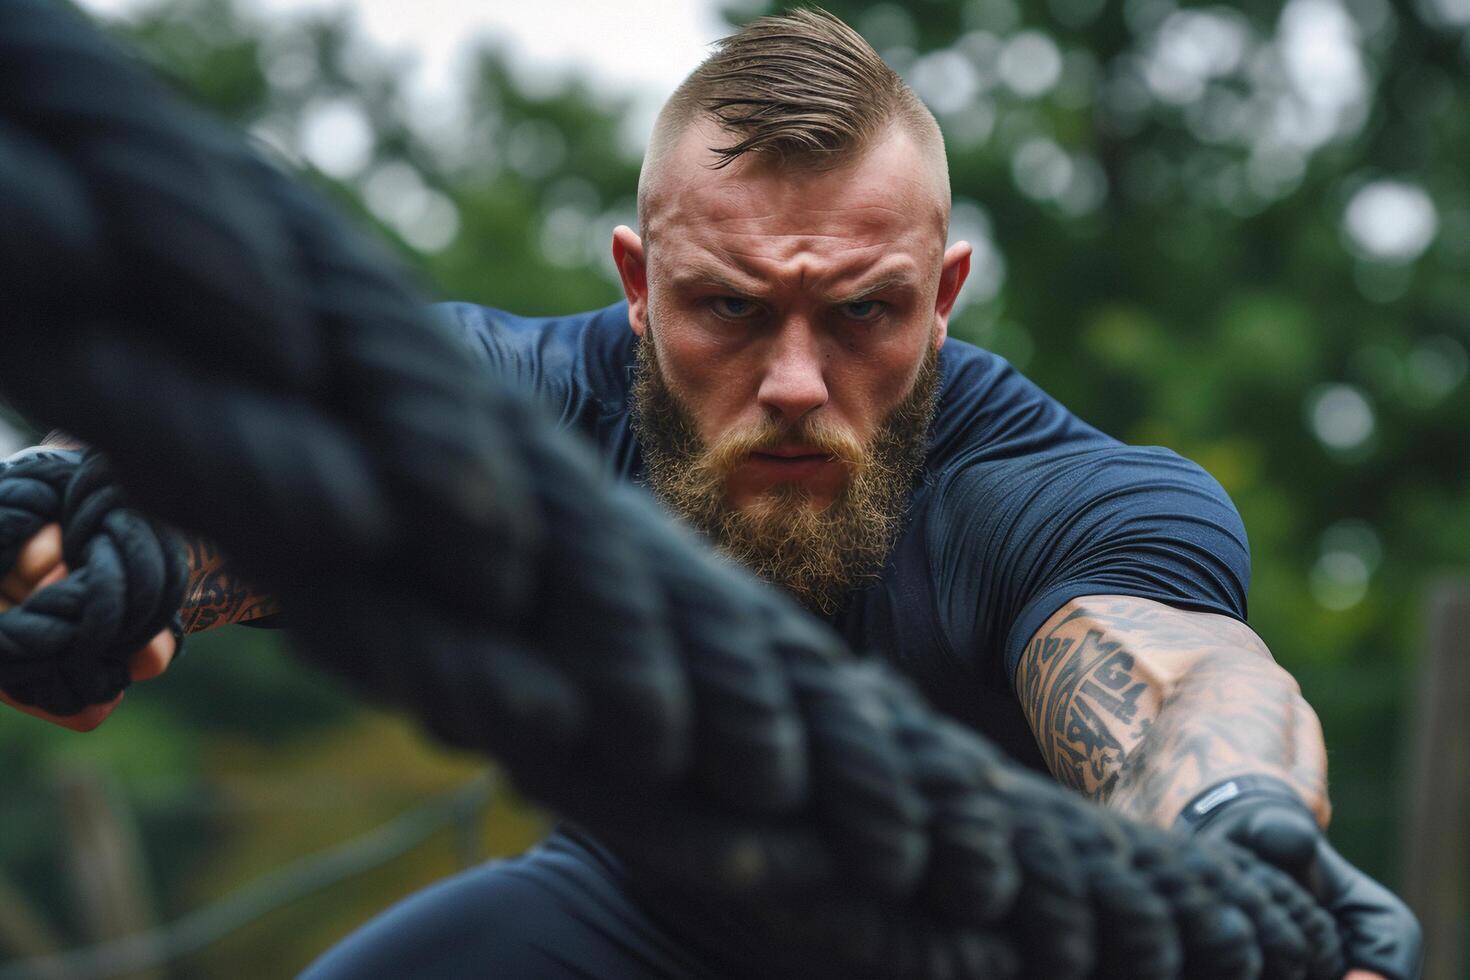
column 1435, row 849
column 106, row 861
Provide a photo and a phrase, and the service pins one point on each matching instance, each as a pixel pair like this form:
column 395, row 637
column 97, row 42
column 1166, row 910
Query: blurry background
column 1242, row 232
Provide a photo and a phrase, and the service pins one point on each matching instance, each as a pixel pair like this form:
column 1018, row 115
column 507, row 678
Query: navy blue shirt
column 1020, row 507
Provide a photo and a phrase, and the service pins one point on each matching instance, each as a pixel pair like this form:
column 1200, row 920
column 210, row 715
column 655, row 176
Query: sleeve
column 1017, row 539
column 525, row 352
column 549, row 358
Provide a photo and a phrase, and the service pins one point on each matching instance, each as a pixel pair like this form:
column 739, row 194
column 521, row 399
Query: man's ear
column 627, row 250
column 952, row 275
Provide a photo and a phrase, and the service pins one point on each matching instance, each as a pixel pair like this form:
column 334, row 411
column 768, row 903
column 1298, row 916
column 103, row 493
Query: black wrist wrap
column 1206, row 805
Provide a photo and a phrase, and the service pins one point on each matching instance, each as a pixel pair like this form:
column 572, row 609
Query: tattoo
column 216, row 595
column 1140, row 705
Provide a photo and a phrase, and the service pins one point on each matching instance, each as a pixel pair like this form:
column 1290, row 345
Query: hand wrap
column 1265, row 816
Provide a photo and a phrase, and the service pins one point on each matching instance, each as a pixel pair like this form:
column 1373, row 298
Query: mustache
column 817, row 556
column 817, row 434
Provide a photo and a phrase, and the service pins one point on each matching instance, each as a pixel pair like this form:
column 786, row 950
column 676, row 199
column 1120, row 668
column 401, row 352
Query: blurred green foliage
column 1240, row 232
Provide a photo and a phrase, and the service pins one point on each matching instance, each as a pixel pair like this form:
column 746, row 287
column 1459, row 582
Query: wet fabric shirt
column 1020, row 507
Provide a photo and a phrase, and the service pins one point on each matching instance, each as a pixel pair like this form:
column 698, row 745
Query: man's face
column 786, row 319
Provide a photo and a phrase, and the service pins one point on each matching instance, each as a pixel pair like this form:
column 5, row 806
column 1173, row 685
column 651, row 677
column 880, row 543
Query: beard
column 818, row 555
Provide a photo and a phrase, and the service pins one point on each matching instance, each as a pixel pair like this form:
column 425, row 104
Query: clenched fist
column 39, row 565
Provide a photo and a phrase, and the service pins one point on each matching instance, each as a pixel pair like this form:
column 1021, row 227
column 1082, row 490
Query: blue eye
column 733, row 308
column 864, row 311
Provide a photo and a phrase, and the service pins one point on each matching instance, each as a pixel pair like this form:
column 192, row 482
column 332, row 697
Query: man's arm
column 1140, row 706
column 216, row 595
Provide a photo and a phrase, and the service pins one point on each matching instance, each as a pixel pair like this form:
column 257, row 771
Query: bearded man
column 780, row 377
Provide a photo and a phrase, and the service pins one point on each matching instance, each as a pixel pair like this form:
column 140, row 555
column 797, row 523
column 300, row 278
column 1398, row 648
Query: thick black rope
column 441, row 545
column 69, row 645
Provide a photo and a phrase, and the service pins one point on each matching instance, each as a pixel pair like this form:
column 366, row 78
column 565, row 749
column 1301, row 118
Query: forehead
column 886, row 205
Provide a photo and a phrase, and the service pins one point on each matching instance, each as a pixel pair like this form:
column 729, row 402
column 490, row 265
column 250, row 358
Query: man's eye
column 864, row 311
column 733, row 308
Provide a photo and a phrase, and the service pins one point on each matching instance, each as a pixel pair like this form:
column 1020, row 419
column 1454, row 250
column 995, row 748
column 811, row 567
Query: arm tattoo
column 1073, row 677
column 1139, row 705
column 216, row 596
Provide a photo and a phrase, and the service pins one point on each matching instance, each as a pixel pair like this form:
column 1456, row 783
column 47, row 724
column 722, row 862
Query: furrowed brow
column 706, row 276
column 888, row 280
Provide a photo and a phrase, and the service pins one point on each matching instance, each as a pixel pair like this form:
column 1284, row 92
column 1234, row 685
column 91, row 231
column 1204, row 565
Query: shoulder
column 1093, row 516
column 1056, row 480
column 1031, row 507
column 989, row 410
column 487, row 330
column 1000, row 441
column 590, row 351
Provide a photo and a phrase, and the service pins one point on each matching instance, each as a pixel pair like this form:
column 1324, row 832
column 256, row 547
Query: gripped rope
column 69, row 645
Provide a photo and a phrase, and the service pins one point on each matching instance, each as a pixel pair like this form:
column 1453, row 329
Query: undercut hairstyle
column 800, row 88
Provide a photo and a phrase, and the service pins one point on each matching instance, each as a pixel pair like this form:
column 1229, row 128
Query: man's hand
column 1381, row 937
column 1142, row 707
column 39, row 565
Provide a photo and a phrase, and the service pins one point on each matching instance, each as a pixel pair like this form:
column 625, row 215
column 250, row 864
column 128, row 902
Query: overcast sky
column 644, row 47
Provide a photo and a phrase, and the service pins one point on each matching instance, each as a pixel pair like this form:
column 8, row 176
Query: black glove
column 1264, row 815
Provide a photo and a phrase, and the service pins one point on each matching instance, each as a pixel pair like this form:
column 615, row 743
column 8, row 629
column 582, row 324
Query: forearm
column 1141, row 707
column 216, row 595
column 1233, row 713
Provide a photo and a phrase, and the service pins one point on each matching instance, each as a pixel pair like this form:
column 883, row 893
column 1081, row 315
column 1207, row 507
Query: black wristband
column 1200, row 810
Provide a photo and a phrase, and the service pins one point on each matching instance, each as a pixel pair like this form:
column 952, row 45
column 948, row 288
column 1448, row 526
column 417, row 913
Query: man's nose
column 794, row 382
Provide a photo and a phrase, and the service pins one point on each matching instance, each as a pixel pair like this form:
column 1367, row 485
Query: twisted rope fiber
column 442, row 546
column 68, row 645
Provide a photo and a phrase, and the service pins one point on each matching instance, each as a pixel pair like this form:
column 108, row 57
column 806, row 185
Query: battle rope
column 68, row 646
column 443, row 546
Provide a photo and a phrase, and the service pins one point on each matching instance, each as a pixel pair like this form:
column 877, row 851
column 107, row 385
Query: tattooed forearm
column 1140, row 705
column 216, row 595
column 1071, row 677
column 1229, row 715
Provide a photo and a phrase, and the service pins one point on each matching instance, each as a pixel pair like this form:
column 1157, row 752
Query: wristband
column 1200, row 811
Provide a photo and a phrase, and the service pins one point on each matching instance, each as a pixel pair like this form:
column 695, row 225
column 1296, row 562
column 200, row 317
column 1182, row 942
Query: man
column 779, row 376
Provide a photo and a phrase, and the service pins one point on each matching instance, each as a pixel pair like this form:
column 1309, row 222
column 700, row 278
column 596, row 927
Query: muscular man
column 780, row 377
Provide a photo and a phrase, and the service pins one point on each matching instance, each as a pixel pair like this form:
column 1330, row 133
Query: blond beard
column 819, row 555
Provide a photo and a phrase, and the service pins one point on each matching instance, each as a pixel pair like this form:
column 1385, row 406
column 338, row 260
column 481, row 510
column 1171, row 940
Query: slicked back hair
column 800, row 88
